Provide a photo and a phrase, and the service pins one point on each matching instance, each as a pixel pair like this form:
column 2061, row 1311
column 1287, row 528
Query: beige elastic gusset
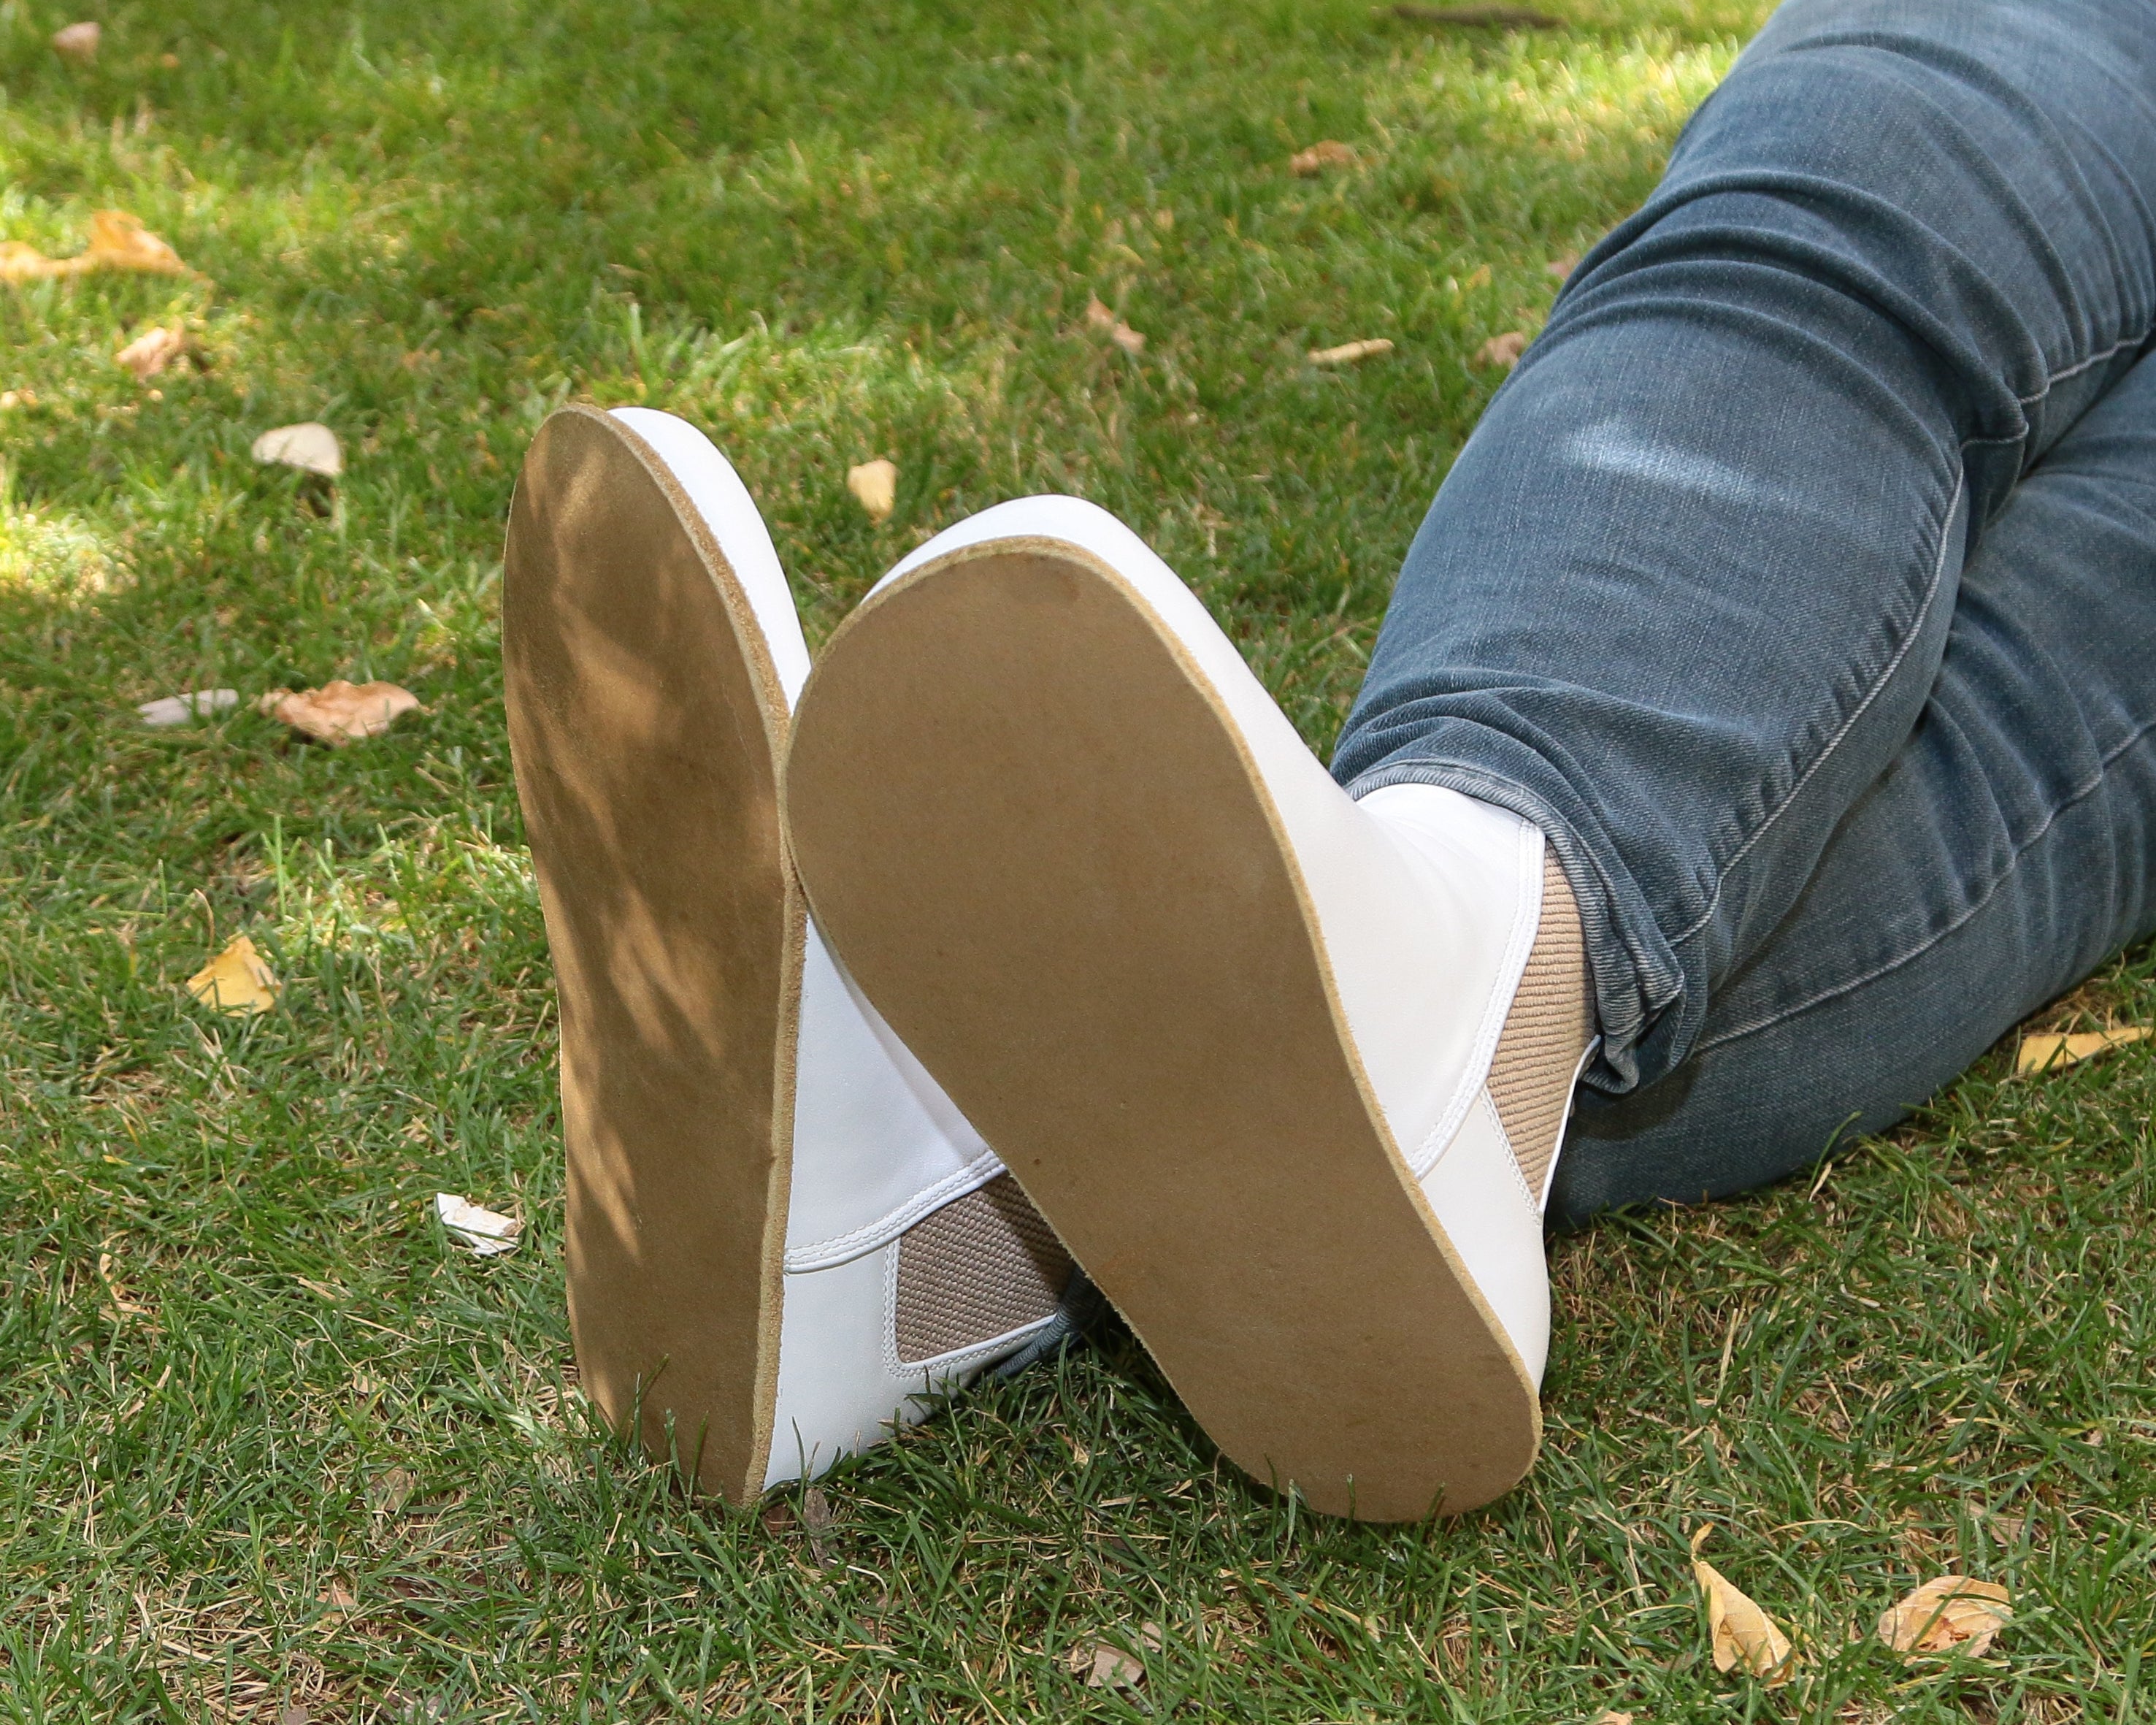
column 1550, row 1025
column 981, row 1266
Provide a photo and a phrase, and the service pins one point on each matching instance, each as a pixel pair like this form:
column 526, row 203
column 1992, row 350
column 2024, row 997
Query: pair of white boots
column 1286, row 1073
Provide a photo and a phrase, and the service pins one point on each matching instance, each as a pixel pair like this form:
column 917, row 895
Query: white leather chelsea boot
column 781, row 1234
column 1287, row 1072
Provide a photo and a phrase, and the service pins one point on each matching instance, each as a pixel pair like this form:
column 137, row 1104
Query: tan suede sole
column 646, row 722
column 1035, row 839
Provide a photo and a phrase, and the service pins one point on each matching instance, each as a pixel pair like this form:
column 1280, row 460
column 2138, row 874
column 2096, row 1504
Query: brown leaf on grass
column 339, row 713
column 1745, row 1638
column 874, row 486
column 1504, row 350
column 1562, row 268
column 1099, row 316
column 1106, row 1665
column 152, row 351
column 816, row 1518
column 309, row 445
column 2050, row 1052
column 236, row 983
column 1350, row 353
column 1610, row 1716
column 117, row 241
column 78, row 41
column 295, row 1715
column 1325, row 153
column 340, row 1599
column 1949, row 1612
column 392, row 1490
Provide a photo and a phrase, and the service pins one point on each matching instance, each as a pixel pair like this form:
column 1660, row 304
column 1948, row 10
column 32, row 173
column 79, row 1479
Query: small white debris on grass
column 188, row 704
column 78, row 41
column 309, row 445
column 483, row 1232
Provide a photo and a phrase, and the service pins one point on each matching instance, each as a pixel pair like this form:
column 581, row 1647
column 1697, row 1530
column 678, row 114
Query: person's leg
column 2005, row 853
column 1688, row 587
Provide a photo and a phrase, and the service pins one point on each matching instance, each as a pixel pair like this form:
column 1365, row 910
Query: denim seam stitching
column 2080, row 794
column 1855, row 712
column 2060, row 376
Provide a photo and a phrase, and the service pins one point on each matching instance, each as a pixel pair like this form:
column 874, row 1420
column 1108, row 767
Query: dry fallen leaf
column 874, row 486
column 816, row 1516
column 1348, row 353
column 188, row 704
column 339, row 713
column 392, row 1490
column 1099, row 316
column 1504, row 350
column 340, row 1598
column 1325, row 153
column 117, row 241
column 1562, row 268
column 1744, row 1636
column 153, row 350
column 1610, row 1716
column 1947, row 1613
column 236, row 983
column 484, row 1233
column 2050, row 1052
column 78, row 41
column 309, row 445
column 1105, row 1665
column 295, row 1715
column 2005, row 1529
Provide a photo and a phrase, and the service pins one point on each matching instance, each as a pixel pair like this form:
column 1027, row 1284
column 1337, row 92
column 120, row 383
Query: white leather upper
column 877, row 1145
column 1427, row 903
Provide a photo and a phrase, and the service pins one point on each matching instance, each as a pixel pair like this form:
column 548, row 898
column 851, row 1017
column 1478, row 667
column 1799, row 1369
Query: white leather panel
column 841, row 1386
column 1495, row 1226
column 871, row 1130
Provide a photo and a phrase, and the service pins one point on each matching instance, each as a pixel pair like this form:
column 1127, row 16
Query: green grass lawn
column 265, row 1443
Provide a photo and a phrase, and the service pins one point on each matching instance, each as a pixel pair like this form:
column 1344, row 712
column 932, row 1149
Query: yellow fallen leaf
column 874, row 486
column 117, row 241
column 1744, row 1636
column 78, row 41
column 236, row 983
column 152, row 351
column 1950, row 1611
column 309, row 445
column 1610, row 1716
column 339, row 713
column 2050, row 1052
column 1325, row 153
column 1504, row 350
column 1349, row 352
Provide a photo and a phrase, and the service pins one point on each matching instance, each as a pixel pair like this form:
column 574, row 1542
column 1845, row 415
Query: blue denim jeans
column 1801, row 582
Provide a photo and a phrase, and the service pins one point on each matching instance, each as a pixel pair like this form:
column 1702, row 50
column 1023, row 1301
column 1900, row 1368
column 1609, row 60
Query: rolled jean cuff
column 1645, row 1020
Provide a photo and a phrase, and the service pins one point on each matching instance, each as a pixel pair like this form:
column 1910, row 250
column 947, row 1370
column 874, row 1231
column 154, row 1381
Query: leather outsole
column 1037, row 841
column 646, row 723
